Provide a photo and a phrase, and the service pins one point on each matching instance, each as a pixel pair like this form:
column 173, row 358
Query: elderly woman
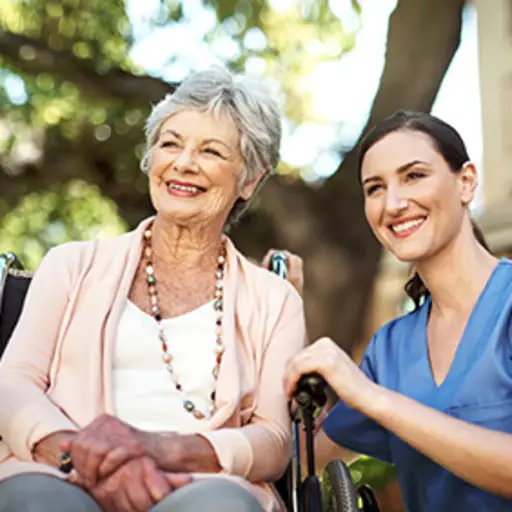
column 155, row 359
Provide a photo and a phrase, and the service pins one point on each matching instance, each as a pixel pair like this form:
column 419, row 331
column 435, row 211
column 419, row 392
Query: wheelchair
column 333, row 491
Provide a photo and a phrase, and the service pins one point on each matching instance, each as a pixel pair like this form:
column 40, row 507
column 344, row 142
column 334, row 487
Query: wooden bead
column 198, row 415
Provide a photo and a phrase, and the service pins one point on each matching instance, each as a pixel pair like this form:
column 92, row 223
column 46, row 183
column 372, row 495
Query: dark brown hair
column 447, row 142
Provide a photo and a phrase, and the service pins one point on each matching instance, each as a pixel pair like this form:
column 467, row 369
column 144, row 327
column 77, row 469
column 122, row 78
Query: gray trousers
column 44, row 493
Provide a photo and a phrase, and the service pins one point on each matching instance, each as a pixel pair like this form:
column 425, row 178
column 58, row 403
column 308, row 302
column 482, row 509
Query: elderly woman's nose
column 186, row 159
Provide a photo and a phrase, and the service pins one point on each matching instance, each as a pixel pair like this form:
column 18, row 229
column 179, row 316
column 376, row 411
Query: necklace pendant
column 189, row 405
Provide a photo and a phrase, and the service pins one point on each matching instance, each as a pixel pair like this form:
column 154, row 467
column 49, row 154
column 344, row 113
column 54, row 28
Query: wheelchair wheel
column 338, row 490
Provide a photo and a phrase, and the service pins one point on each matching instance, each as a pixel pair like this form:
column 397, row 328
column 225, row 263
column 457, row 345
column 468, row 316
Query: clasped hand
column 113, row 463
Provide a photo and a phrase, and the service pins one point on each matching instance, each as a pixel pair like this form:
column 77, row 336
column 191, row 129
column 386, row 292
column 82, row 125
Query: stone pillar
column 495, row 60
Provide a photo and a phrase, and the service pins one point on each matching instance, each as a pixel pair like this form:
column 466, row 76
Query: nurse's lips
column 406, row 227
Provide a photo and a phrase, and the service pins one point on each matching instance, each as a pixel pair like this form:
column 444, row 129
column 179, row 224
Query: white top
column 144, row 393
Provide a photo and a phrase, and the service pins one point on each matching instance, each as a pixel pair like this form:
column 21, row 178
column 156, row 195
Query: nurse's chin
column 411, row 256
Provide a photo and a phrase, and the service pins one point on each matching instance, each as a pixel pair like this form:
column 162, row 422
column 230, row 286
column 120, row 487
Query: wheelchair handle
column 311, row 392
column 278, row 264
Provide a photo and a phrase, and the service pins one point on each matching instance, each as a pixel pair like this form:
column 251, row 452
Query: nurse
column 433, row 394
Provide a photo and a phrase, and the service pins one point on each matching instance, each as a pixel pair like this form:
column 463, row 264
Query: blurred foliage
column 293, row 41
column 373, row 472
column 55, row 103
column 74, row 211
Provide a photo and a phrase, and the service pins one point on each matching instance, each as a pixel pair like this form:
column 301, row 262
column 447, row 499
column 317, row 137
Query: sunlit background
column 341, row 89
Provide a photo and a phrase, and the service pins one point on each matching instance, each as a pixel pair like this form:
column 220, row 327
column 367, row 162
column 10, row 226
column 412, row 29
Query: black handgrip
column 311, row 392
column 278, row 264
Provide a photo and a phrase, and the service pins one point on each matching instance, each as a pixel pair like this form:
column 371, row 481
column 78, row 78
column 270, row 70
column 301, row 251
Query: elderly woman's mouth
column 184, row 189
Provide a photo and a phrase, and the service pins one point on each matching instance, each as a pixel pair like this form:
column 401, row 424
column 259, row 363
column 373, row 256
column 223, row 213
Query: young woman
column 433, row 394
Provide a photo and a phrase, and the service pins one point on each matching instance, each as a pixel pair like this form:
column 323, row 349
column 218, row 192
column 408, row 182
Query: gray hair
column 248, row 102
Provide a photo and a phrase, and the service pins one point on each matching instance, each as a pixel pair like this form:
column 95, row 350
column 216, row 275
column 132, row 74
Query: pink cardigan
column 56, row 373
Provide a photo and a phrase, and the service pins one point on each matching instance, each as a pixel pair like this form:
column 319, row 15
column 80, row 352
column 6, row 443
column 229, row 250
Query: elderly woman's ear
column 250, row 186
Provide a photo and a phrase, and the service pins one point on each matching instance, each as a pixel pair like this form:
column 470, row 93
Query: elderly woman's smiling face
column 197, row 168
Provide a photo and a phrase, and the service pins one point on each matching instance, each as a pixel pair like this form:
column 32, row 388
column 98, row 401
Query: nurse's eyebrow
column 400, row 170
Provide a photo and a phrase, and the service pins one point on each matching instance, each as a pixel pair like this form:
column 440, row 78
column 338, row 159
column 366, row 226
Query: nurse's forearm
column 481, row 456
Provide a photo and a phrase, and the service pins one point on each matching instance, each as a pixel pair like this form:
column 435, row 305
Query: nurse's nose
column 396, row 203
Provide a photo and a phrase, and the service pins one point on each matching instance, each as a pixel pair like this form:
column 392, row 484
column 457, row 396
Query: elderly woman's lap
column 214, row 495
column 35, row 492
column 43, row 493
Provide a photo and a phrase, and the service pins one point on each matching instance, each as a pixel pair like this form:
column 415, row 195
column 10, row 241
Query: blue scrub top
column 477, row 389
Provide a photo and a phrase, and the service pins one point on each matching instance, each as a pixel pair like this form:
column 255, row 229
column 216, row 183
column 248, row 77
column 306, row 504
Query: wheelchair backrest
column 14, row 282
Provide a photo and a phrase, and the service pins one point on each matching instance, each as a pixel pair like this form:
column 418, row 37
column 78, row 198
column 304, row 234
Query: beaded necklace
column 218, row 306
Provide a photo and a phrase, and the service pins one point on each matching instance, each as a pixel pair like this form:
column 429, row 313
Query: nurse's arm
column 481, row 456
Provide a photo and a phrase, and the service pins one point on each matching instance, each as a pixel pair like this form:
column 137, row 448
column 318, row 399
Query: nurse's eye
column 372, row 189
column 415, row 175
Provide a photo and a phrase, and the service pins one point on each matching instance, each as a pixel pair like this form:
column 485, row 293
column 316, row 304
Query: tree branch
column 33, row 56
column 423, row 36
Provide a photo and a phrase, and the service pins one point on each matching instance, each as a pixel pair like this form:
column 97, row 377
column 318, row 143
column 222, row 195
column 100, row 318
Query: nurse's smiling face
column 415, row 202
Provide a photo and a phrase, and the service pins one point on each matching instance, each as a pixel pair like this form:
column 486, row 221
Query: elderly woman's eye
column 212, row 151
column 168, row 144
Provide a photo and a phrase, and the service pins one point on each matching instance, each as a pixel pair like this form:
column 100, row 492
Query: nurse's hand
column 330, row 361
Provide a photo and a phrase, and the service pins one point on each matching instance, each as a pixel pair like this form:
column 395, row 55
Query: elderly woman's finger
column 155, row 481
column 113, row 460
column 107, row 500
column 140, row 497
column 65, row 445
column 125, row 490
column 178, row 480
column 87, row 456
column 76, row 479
